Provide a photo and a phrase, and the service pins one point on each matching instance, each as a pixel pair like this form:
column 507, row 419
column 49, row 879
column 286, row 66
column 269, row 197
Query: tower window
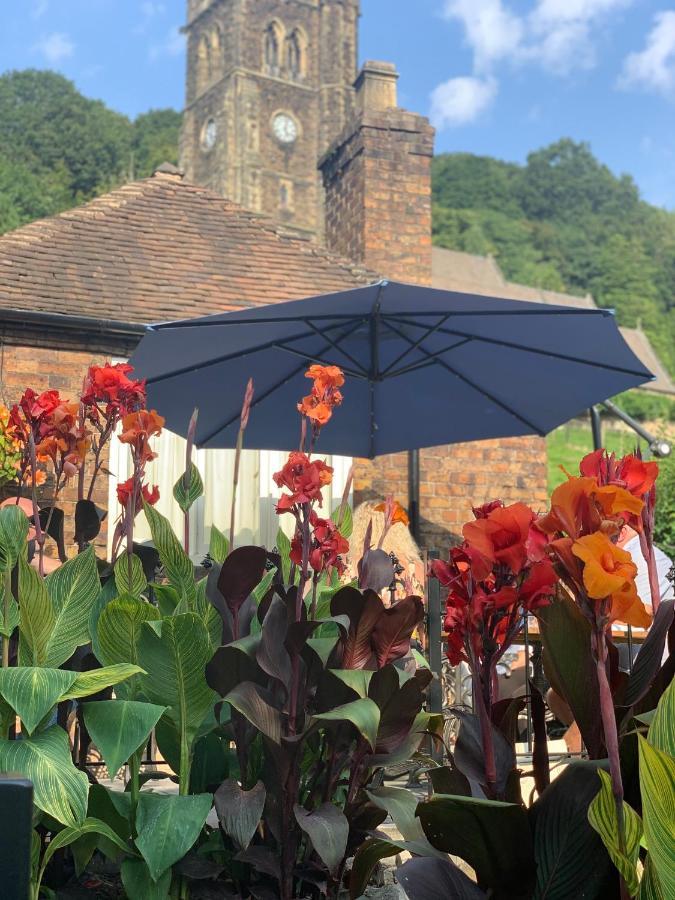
column 203, row 63
column 296, row 55
column 272, row 48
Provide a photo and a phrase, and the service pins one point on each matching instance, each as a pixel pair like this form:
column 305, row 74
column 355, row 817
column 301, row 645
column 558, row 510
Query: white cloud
column 492, row 31
column 55, row 47
column 558, row 36
column 150, row 10
column 40, row 7
column 172, row 45
column 459, row 101
column 654, row 67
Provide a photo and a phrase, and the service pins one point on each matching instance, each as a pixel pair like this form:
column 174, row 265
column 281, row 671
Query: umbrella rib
column 341, row 350
column 268, row 345
column 412, row 348
column 415, row 367
column 535, row 350
column 475, row 386
column 316, row 358
column 267, row 393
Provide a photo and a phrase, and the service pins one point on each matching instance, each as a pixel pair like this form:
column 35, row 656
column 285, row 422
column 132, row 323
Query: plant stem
column 135, row 782
column 609, row 728
column 7, row 595
column 235, row 483
column 485, row 730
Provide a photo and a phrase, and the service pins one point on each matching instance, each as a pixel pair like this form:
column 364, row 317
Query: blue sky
column 498, row 77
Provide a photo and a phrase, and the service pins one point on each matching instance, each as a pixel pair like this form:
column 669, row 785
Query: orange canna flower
column 325, row 377
column 315, row 410
column 579, row 505
column 138, row 428
column 610, row 571
column 396, row 513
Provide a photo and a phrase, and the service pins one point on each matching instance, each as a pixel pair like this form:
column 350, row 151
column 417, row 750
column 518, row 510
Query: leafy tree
column 155, row 140
column 564, row 221
column 59, row 148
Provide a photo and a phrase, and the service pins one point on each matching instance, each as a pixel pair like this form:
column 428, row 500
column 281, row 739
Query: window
column 296, row 55
column 203, row 64
column 272, row 48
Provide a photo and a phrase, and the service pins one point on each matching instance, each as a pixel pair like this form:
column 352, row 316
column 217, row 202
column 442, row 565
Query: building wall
column 234, row 94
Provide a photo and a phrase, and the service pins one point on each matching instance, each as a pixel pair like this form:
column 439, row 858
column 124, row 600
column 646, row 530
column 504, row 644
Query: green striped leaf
column 13, row 534
column 88, row 683
column 603, row 818
column 120, row 727
column 219, row 546
column 662, row 728
column 168, row 826
column 284, row 547
column 132, row 586
column 364, row 715
column 9, row 613
column 657, row 787
column 175, row 662
column 650, row 887
column 119, row 629
column 70, row 834
column 59, row 789
column 37, row 617
column 73, row 589
column 342, row 516
column 185, row 497
column 32, row 692
column 175, row 560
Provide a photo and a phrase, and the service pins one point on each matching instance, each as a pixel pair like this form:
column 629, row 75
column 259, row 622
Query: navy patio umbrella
column 423, row 367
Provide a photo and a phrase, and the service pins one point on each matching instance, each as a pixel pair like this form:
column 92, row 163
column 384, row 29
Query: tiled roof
column 453, row 270
column 456, row 271
column 162, row 249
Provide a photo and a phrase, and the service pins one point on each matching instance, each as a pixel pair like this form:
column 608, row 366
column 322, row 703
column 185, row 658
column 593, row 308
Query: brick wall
column 377, row 178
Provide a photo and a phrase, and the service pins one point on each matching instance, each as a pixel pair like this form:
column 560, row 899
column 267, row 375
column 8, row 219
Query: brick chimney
column 377, row 177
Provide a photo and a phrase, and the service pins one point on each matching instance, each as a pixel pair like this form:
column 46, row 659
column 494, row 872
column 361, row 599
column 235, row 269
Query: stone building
column 270, row 84
column 80, row 286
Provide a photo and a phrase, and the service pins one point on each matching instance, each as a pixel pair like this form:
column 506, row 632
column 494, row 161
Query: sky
column 497, row 77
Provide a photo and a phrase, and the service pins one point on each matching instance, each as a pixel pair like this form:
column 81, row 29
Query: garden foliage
column 280, row 695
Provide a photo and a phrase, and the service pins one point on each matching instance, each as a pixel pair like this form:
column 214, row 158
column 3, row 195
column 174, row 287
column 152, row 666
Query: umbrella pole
column 414, row 493
column 596, row 427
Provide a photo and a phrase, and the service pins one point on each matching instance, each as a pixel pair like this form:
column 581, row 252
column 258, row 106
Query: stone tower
column 269, row 87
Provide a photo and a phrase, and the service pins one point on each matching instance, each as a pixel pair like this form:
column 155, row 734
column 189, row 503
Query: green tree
column 155, row 140
column 59, row 148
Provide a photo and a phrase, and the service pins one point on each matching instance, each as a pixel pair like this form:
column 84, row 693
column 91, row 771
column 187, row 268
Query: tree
column 155, row 140
column 59, row 148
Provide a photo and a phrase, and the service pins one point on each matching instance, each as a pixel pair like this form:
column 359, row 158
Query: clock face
column 209, row 134
column 285, row 128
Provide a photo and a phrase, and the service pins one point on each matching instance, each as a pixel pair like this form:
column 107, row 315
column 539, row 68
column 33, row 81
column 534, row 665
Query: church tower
column 269, row 87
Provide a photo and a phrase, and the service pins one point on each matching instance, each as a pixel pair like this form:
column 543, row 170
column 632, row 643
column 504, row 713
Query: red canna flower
column 501, row 534
column 125, row 491
column 304, row 478
column 109, row 385
column 327, row 547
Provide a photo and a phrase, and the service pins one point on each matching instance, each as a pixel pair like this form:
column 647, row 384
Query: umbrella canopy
column 424, row 367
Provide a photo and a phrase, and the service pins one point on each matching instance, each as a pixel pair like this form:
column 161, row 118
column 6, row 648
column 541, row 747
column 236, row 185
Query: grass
column 568, row 444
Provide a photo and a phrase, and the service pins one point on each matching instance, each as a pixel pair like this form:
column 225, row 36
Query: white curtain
column 256, row 521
